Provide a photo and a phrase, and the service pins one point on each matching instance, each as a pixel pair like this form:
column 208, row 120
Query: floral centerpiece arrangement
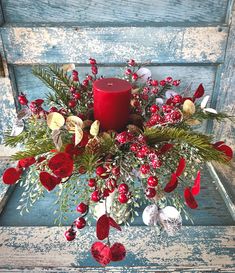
column 110, row 145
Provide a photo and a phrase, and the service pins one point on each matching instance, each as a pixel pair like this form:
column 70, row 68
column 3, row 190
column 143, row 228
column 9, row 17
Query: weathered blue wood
column 212, row 209
column 33, row 87
column 43, row 249
column 29, row 45
column 106, row 12
column 2, row 21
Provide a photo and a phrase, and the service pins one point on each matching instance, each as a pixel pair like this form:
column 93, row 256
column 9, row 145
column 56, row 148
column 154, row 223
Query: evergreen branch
column 200, row 115
column 61, row 94
column 13, row 141
column 197, row 140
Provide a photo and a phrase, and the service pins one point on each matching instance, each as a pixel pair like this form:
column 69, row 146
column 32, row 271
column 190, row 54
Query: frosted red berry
column 150, row 192
column 154, row 108
column 91, row 182
column 145, row 169
column 163, row 83
column 70, row 234
column 82, row 208
column 154, row 83
column 123, row 188
column 95, row 196
column 80, row 223
column 177, row 99
column 152, row 181
column 77, row 96
column 123, row 198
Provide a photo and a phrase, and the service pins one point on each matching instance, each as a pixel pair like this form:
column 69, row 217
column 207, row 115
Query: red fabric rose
column 11, row 175
column 49, row 181
column 61, row 165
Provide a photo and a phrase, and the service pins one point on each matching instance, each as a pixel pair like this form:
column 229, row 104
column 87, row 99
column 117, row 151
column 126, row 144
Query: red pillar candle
column 112, row 103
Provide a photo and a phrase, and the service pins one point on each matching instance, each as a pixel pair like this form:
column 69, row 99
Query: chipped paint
column 26, row 45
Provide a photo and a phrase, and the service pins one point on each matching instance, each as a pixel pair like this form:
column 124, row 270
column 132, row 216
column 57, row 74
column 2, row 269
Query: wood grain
column 119, row 11
column 200, row 248
column 30, row 45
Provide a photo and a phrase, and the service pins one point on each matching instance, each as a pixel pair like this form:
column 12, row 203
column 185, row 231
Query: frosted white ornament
column 143, row 74
column 159, row 101
column 150, row 215
column 170, row 219
column 170, row 94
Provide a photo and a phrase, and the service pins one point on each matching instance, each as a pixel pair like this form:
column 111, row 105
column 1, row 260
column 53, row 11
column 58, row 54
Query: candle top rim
column 112, row 85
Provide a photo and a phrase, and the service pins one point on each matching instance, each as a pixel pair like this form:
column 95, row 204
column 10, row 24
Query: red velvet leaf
column 181, row 167
column 189, row 199
column 61, row 164
column 217, row 144
column 101, row 253
column 172, row 184
column 113, row 223
column 165, row 148
column 102, row 227
column 118, row 252
column 196, row 186
column 49, row 181
column 199, row 92
column 226, row 150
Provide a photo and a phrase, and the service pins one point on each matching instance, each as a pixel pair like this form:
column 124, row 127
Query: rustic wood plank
column 33, row 87
column 95, row 11
column 212, row 209
column 200, row 248
column 30, row 45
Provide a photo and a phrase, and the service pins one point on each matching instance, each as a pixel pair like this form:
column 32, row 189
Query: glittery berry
column 82, row 208
column 80, row 223
column 122, row 198
column 152, row 181
column 123, row 188
column 95, row 196
column 145, row 169
column 70, row 234
column 150, row 192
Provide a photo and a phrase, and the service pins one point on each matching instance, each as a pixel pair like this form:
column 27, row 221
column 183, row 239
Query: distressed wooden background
column 187, row 39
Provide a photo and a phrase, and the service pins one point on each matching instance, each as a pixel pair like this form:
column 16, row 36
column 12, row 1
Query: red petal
column 101, row 253
column 102, row 227
column 10, row 176
column 196, row 186
column 181, row 166
column 172, row 184
column 165, row 148
column 189, row 199
column 61, row 165
column 118, row 252
column 49, row 181
column 26, row 162
column 226, row 150
column 199, row 92
column 113, row 223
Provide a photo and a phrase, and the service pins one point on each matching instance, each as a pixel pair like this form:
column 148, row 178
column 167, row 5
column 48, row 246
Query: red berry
column 92, row 182
column 116, row 171
column 22, row 99
column 80, row 223
column 154, row 108
column 152, row 181
column 150, row 192
column 156, row 118
column 176, row 82
column 128, row 71
column 177, row 99
column 122, row 198
column 154, row 83
column 72, row 103
column 101, row 172
column 70, row 234
column 167, row 108
column 92, row 61
column 89, row 77
column 169, row 79
column 140, row 154
column 74, row 73
column 85, row 82
column 145, row 169
column 94, row 69
column 82, row 208
column 95, row 196
column 72, row 89
column 135, row 76
column 10, row 176
column 53, row 109
column 134, row 147
column 123, row 188
column 106, row 192
column 131, row 62
column 163, row 83
column 77, row 96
